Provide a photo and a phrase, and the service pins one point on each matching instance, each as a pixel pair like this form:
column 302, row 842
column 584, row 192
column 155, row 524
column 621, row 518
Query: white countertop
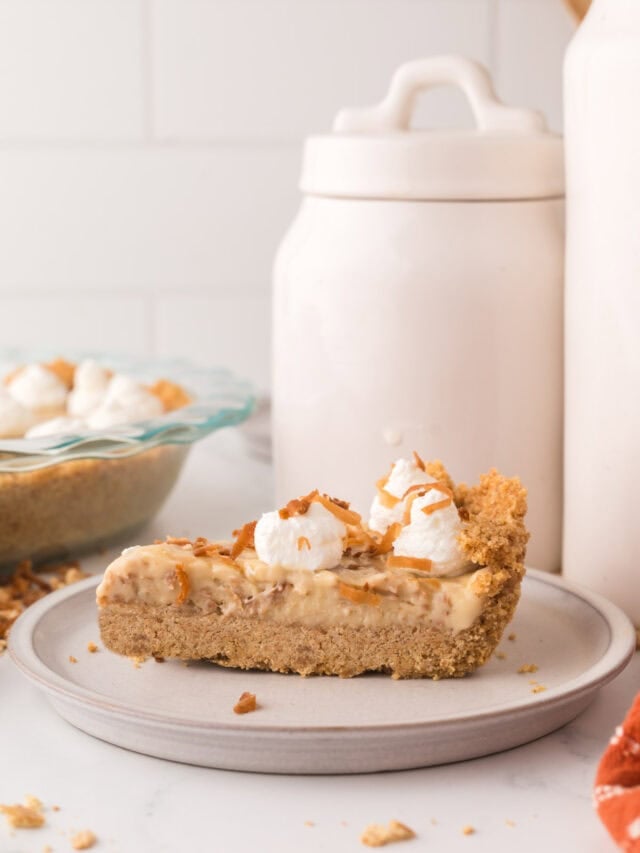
column 137, row 804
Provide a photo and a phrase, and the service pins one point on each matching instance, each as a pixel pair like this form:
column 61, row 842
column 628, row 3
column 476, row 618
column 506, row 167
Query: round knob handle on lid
column 374, row 153
column 395, row 111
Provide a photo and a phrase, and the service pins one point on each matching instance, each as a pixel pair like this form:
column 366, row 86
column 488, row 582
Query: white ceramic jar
column 602, row 450
column 418, row 301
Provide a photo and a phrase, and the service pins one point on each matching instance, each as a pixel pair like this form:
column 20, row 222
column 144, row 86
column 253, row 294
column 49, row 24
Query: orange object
column 617, row 787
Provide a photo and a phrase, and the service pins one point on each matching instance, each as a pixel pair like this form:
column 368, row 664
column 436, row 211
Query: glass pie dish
column 66, row 494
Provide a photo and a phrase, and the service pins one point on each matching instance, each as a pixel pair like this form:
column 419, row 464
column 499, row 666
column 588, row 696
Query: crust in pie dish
column 202, row 600
column 78, row 504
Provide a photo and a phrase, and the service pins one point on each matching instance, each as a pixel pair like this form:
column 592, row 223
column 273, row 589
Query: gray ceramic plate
column 578, row 640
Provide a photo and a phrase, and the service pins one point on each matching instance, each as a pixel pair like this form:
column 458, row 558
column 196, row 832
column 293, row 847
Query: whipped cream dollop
column 312, row 540
column 90, row 383
column 404, row 474
column 38, row 388
column 124, row 401
column 61, row 425
column 432, row 534
column 15, row 419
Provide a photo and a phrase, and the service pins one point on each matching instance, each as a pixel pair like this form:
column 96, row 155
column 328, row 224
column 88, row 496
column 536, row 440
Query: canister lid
column 373, row 152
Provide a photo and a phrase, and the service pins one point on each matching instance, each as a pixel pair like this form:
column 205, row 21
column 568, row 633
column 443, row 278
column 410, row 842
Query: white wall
column 149, row 149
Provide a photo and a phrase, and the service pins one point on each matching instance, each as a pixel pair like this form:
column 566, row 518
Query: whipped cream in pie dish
column 59, row 398
column 69, row 488
column 312, row 588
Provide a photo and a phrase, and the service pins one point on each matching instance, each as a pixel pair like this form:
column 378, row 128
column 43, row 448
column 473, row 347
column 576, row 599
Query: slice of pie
column 425, row 589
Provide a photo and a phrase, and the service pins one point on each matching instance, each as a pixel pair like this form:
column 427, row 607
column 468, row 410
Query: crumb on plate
column 468, row 830
column 72, row 659
column 245, row 704
column 501, row 656
column 511, row 637
column 528, row 667
column 539, row 688
column 377, row 835
column 92, row 647
column 83, row 840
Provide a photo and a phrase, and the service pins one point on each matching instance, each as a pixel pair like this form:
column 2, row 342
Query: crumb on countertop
column 528, row 667
column 24, row 587
column 26, row 816
column 245, row 704
column 83, row 840
column 377, row 835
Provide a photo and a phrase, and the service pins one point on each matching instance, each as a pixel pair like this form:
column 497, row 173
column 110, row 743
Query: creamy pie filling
column 360, row 591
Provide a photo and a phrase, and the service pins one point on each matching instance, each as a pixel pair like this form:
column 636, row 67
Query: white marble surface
column 137, row 804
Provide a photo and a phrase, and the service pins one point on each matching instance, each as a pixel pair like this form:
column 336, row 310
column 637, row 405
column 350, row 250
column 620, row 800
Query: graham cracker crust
column 252, row 643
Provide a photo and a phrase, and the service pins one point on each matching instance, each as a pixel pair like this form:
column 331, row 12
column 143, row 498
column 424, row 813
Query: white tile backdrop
column 149, row 149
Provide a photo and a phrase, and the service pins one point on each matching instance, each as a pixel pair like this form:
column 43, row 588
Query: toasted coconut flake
column 177, row 540
column 339, row 508
column 431, row 508
column 419, row 462
column 171, row 396
column 361, row 540
column 359, row 596
column 386, row 498
column 245, row 704
column 203, row 548
column 183, row 582
column 399, row 562
column 297, row 506
column 420, row 491
column 64, row 370
column 303, row 542
column 244, row 539
column 434, row 583
column 391, row 534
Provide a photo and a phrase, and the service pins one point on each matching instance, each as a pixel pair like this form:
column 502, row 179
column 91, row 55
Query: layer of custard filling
column 360, row 591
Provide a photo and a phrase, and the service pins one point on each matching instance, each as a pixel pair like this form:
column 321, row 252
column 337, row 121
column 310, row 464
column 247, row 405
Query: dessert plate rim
column 621, row 647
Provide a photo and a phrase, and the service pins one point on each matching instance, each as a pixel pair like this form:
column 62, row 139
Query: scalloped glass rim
column 220, row 400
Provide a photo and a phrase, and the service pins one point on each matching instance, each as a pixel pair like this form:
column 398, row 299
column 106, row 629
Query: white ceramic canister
column 418, row 301
column 602, row 450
